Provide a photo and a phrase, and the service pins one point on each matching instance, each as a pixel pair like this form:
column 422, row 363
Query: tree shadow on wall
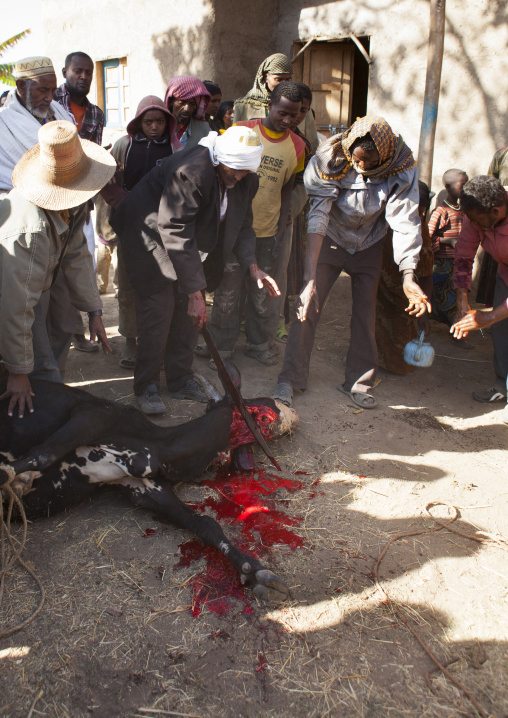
column 458, row 48
column 184, row 52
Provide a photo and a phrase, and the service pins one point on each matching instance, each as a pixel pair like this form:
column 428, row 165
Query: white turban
column 238, row 148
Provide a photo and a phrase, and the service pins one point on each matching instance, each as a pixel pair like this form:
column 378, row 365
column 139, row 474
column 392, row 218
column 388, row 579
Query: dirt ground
column 117, row 636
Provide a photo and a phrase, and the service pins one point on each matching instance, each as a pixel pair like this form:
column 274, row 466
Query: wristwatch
column 97, row 313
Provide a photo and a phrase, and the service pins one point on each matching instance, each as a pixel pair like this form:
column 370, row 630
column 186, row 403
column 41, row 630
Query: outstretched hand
column 20, row 392
column 308, row 298
column 418, row 300
column 263, row 280
column 474, row 319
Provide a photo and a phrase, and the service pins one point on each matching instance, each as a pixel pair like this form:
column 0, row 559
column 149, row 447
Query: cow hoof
column 243, row 458
column 269, row 587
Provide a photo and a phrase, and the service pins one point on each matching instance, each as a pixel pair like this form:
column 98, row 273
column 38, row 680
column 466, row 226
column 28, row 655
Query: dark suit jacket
column 173, row 213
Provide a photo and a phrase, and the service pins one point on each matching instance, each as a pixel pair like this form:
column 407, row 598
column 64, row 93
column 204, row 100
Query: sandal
column 265, row 356
column 202, row 351
column 359, row 398
column 489, row 396
column 283, row 393
column 282, row 333
column 128, row 358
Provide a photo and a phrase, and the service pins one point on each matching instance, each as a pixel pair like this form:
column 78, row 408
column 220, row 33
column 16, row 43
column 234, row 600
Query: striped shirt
column 445, row 223
column 93, row 120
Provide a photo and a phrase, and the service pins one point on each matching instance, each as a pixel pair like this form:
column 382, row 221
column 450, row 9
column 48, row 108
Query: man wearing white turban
column 176, row 226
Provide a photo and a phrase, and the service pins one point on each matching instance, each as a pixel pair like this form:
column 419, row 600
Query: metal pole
column 432, row 85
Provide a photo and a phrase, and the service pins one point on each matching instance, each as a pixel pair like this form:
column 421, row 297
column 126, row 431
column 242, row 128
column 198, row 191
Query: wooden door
column 327, row 68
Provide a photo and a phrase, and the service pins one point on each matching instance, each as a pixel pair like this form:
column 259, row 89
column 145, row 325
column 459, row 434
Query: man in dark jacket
column 195, row 204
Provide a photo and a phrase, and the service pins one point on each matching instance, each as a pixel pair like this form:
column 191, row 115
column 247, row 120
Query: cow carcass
column 74, row 443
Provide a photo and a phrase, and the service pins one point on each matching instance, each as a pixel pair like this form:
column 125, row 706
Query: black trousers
column 364, row 269
column 165, row 335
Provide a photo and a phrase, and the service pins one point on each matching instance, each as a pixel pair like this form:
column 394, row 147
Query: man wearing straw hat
column 196, row 204
column 41, row 237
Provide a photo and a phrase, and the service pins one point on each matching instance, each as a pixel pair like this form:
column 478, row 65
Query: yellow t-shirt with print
column 283, row 156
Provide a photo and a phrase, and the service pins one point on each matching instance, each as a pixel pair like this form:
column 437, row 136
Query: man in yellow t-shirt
column 283, row 157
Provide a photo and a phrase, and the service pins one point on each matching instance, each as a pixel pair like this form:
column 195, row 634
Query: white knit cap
column 239, row 148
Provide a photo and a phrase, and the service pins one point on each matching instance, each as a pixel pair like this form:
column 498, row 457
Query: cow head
column 272, row 418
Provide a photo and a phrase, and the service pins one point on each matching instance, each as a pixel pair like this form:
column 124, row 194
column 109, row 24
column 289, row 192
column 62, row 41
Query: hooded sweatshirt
column 136, row 155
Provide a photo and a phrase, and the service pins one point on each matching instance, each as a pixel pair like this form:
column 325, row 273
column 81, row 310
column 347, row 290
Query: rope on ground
column 9, row 558
column 479, row 537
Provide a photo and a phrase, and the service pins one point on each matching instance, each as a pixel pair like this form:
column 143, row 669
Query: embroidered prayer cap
column 187, row 87
column 62, row 171
column 239, row 148
column 31, row 67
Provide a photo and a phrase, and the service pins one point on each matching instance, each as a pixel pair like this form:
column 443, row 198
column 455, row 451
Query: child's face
column 302, row 114
column 153, row 124
column 455, row 187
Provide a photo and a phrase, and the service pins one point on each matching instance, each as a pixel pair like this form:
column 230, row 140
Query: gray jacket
column 32, row 242
column 356, row 211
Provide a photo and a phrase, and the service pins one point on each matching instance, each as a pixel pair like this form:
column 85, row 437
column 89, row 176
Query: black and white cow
column 74, row 443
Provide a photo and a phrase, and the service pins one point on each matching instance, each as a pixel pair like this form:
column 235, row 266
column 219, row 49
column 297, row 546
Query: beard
column 41, row 114
column 78, row 91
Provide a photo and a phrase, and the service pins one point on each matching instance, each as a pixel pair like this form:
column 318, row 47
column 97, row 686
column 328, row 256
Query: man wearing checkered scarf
column 359, row 183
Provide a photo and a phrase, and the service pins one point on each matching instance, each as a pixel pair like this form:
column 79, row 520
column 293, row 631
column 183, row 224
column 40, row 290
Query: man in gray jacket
column 41, row 237
column 359, row 183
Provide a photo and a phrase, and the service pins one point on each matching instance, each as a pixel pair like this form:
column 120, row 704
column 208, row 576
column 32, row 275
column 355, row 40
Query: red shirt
column 79, row 114
column 446, row 223
column 494, row 241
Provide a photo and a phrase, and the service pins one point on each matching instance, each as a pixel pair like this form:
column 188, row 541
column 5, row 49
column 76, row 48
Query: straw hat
column 62, row 171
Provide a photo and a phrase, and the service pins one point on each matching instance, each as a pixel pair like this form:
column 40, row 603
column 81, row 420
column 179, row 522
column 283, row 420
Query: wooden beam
column 360, row 47
column 302, row 50
column 432, row 88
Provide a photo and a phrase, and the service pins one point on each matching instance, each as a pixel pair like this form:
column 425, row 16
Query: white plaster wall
column 219, row 40
column 472, row 120
column 159, row 39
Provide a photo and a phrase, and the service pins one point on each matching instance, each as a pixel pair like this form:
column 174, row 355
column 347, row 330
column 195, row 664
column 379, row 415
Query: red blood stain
column 240, row 499
column 240, row 434
column 149, row 532
column 262, row 664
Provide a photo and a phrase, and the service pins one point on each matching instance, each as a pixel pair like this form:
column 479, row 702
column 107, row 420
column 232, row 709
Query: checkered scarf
column 186, row 87
column 334, row 159
column 277, row 64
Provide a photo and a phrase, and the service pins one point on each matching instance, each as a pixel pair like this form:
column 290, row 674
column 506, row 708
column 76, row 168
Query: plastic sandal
column 359, row 398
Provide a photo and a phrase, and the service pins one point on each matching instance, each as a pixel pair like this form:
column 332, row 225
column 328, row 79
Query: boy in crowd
column 444, row 227
column 150, row 138
column 283, row 156
column 215, row 100
column 290, row 280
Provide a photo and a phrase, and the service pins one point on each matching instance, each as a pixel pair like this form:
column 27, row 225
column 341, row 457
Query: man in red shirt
column 484, row 201
column 78, row 74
